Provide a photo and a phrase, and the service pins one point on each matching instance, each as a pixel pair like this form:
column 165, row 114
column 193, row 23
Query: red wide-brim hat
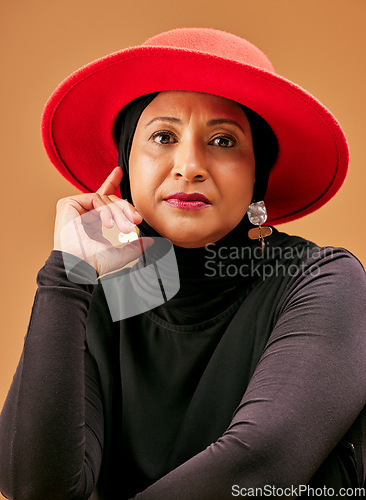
column 79, row 118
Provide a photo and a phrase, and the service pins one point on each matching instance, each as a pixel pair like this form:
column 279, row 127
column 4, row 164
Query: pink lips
column 188, row 201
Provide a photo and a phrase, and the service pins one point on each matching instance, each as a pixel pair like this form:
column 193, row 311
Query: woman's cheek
column 144, row 203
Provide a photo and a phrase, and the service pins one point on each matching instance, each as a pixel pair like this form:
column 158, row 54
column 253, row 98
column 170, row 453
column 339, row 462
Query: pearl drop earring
column 257, row 215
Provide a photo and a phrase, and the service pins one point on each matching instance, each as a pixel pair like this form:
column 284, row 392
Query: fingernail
column 131, row 224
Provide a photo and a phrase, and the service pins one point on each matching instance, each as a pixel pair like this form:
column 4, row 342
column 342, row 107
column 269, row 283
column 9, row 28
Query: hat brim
column 78, row 121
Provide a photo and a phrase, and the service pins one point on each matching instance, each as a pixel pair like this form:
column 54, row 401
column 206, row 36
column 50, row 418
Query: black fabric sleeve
column 306, row 391
column 47, row 451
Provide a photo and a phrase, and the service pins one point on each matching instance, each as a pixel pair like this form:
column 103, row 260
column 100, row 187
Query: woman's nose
column 190, row 161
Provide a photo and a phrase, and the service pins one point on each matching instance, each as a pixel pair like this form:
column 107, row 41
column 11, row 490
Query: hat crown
column 214, row 42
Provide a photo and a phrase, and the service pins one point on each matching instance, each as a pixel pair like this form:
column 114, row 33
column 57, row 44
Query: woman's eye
column 223, row 141
column 163, row 138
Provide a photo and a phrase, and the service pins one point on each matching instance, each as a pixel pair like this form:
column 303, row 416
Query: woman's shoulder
column 330, row 276
column 310, row 253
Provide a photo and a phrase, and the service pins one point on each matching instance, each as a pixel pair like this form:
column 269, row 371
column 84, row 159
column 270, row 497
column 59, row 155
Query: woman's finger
column 120, row 211
column 112, row 182
column 102, row 205
column 107, row 189
column 125, row 223
column 124, row 214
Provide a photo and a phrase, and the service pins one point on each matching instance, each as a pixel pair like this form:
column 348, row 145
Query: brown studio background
column 319, row 44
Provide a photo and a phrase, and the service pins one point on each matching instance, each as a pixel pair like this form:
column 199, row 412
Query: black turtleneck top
column 253, row 380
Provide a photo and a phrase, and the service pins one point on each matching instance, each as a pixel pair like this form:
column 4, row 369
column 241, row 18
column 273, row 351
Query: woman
column 250, row 379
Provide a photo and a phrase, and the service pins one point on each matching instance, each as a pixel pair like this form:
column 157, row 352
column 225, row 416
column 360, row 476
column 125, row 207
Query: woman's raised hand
column 79, row 221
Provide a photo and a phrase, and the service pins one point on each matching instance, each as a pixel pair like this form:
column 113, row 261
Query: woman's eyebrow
column 164, row 119
column 219, row 121
column 210, row 123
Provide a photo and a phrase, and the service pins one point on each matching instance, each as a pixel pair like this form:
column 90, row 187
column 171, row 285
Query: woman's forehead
column 178, row 103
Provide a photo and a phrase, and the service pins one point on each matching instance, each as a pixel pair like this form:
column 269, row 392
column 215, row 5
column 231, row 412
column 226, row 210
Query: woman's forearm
column 42, row 436
column 305, row 394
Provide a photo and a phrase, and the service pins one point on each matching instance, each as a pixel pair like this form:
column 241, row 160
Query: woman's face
column 192, row 167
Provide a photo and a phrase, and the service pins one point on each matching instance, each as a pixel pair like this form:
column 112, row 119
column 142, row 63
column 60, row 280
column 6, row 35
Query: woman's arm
column 46, row 449
column 51, row 426
column 307, row 390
